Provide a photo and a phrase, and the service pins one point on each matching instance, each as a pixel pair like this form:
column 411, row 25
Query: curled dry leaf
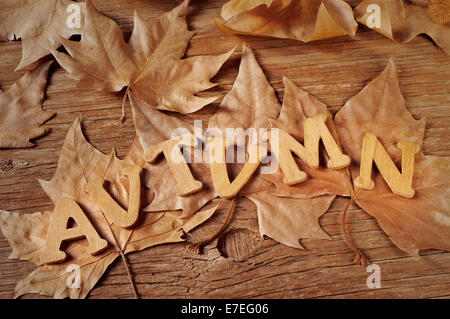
column 304, row 20
column 80, row 162
column 403, row 20
column 40, row 24
column 416, row 223
column 21, row 113
column 150, row 64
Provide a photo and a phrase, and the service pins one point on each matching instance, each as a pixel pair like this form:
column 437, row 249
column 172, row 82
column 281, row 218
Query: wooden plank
column 240, row 263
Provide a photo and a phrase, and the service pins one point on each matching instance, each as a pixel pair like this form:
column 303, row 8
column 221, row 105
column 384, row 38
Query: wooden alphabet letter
column 315, row 129
column 178, row 166
column 109, row 206
column 58, row 232
column 373, row 151
column 218, row 167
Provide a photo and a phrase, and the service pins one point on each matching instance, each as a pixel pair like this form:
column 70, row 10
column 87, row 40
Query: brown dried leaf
column 165, row 227
column 403, row 20
column 287, row 220
column 297, row 106
column 378, row 108
column 21, row 112
column 27, row 241
column 39, row 23
column 152, row 127
column 149, row 64
column 252, row 103
column 79, row 161
column 416, row 223
column 52, row 280
column 304, row 20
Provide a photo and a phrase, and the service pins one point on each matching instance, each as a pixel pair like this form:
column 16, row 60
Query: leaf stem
column 130, row 277
column 360, row 258
column 195, row 247
column 124, row 259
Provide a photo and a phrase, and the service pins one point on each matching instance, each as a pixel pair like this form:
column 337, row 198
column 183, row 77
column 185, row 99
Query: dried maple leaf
column 149, row 65
column 304, row 20
column 39, row 23
column 412, row 224
column 21, row 113
column 252, row 103
column 289, row 219
column 292, row 212
column 152, row 127
column 416, row 223
column 297, row 106
column 403, row 20
column 80, row 162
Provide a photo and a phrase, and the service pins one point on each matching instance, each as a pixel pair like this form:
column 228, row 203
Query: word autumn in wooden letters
column 283, row 146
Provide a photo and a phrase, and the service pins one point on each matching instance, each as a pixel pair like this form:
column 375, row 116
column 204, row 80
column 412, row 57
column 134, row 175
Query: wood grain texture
column 240, row 263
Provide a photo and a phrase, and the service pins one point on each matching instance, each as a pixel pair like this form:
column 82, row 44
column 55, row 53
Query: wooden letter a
column 58, row 232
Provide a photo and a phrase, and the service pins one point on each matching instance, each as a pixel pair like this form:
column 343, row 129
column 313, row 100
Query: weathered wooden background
column 242, row 264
